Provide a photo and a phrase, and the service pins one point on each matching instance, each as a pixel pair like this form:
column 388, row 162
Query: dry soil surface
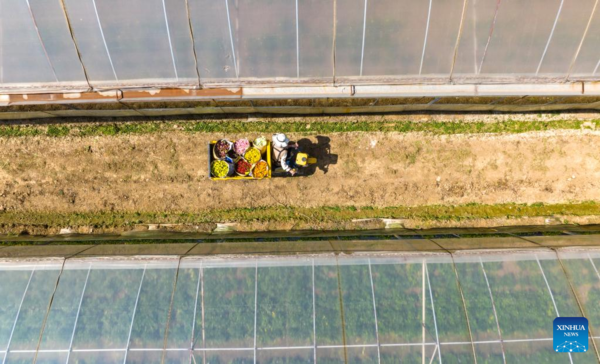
column 169, row 172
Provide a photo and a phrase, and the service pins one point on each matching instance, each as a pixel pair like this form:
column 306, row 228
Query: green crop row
column 326, row 214
column 222, row 127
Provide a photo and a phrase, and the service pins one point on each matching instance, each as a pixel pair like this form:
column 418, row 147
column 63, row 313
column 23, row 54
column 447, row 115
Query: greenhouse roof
column 99, row 44
column 492, row 306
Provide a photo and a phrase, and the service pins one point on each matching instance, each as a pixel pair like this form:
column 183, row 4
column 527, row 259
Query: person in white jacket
column 284, row 152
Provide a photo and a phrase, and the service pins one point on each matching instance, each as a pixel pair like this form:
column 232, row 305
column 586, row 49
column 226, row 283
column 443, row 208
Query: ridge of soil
column 168, row 172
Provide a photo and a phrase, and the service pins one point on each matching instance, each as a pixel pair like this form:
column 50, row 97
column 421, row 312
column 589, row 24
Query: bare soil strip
column 168, row 172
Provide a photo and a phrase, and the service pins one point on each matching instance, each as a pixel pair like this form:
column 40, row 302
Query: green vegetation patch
column 211, row 126
column 317, row 215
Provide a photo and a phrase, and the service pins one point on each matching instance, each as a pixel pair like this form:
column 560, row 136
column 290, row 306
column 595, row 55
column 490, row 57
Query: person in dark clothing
column 284, row 153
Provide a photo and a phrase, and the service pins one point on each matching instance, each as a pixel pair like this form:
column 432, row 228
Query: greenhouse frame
column 105, row 44
column 426, row 300
column 111, row 58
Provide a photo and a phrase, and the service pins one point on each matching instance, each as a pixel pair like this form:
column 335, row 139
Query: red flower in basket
column 243, row 167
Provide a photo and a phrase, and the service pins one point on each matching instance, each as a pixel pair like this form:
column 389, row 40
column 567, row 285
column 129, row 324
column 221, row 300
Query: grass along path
column 237, row 126
column 306, row 216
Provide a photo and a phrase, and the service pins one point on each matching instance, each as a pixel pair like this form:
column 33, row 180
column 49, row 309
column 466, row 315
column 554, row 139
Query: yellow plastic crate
column 236, row 177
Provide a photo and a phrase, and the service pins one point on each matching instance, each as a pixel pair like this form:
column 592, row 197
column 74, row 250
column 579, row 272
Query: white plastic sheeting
column 70, row 44
column 466, row 307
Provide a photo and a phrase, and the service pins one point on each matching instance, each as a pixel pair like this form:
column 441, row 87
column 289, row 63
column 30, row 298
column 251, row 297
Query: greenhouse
column 484, row 306
column 104, row 44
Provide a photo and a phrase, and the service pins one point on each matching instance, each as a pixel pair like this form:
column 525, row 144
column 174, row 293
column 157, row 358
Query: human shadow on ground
column 320, row 150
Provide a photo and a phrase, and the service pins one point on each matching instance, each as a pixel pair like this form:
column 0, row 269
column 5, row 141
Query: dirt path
column 168, row 172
